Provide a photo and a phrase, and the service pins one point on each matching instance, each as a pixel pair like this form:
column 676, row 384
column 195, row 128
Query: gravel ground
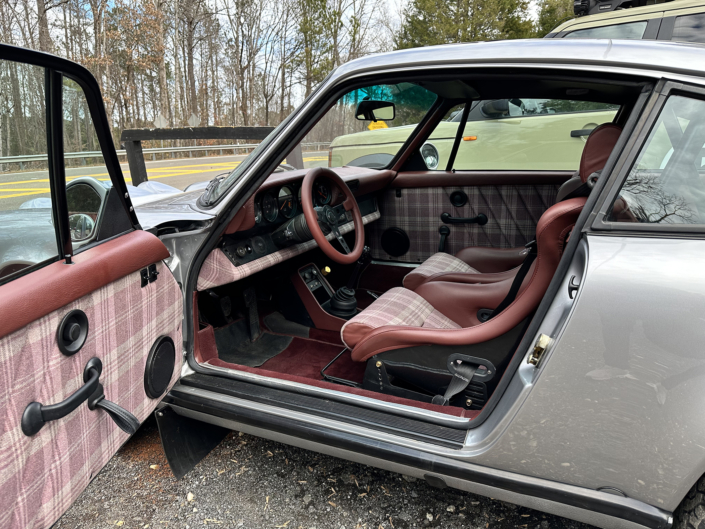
column 252, row 482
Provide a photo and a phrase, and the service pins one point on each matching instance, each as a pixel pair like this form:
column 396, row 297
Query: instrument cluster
column 284, row 203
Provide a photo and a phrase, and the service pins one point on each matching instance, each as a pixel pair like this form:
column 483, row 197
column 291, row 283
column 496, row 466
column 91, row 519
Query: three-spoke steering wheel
column 331, row 218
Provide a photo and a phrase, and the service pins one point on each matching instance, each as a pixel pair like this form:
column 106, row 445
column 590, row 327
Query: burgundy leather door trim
column 35, row 295
column 478, row 178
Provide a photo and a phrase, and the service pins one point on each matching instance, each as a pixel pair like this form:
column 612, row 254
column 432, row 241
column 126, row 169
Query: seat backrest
column 552, row 231
column 598, row 148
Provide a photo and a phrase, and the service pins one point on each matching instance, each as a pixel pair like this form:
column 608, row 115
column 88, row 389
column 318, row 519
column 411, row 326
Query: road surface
column 19, row 187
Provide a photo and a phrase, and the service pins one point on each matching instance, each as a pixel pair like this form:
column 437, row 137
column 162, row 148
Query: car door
column 91, row 317
column 512, row 159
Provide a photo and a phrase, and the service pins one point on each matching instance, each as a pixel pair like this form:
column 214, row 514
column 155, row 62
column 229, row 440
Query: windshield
column 224, row 183
column 333, row 141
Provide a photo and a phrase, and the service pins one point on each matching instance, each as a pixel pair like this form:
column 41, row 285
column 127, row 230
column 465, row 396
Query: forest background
column 245, row 62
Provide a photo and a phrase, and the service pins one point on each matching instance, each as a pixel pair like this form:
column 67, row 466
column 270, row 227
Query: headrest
column 597, row 149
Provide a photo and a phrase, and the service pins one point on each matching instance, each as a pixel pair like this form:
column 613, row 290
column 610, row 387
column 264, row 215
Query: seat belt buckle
column 531, row 245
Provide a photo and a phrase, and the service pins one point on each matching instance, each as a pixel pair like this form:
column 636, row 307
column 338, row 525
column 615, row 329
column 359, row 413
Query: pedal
column 250, row 296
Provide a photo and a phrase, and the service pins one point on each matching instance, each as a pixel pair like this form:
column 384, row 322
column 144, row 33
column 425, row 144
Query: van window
column 690, row 28
column 631, row 31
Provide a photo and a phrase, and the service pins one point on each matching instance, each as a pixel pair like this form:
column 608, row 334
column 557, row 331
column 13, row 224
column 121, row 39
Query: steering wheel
column 326, row 219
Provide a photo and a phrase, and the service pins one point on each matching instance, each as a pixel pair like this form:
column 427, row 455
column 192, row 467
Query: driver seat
column 445, row 313
column 478, row 260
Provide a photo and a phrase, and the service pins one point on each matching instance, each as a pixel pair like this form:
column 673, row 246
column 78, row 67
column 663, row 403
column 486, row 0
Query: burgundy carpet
column 306, row 358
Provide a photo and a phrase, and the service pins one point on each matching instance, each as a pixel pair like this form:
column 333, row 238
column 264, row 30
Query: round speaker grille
column 395, row 242
column 160, row 366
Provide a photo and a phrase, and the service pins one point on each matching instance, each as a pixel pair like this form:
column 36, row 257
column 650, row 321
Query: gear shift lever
column 344, row 304
column 360, row 265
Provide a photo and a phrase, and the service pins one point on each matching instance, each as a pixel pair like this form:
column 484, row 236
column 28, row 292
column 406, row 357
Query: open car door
column 90, row 333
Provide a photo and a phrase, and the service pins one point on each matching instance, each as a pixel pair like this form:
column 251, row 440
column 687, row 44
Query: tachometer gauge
column 258, row 213
column 287, row 202
column 321, row 193
column 270, row 210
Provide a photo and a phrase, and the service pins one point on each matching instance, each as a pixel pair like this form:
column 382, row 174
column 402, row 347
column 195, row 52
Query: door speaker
column 160, row 367
column 395, row 241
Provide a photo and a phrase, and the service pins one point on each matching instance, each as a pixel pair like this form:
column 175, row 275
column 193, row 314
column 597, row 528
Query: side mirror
column 496, row 108
column 369, row 110
column 85, row 198
column 81, row 226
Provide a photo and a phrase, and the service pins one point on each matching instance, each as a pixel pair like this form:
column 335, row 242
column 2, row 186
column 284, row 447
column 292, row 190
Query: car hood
column 161, row 209
column 27, row 236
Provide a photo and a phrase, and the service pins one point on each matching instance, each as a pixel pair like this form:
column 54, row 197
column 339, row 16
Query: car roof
column 647, row 58
column 624, row 15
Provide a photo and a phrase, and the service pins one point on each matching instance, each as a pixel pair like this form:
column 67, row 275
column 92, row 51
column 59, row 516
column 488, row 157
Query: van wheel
column 690, row 514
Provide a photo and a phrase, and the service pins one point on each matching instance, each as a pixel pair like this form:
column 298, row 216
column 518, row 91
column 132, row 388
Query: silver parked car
column 533, row 335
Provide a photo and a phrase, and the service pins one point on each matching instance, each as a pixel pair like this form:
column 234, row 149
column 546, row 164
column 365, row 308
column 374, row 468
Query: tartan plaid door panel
column 41, row 475
column 513, row 212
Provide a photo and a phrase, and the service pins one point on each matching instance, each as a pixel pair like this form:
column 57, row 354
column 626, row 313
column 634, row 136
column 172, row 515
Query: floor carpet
column 234, row 345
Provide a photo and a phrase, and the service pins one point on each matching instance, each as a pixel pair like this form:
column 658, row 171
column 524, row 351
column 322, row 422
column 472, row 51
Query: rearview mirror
column 368, row 110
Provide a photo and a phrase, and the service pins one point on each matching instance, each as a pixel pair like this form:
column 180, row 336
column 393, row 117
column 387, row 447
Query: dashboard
column 279, row 222
column 284, row 203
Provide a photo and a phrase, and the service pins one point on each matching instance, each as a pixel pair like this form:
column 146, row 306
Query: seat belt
column 461, row 379
column 518, row 280
column 585, row 188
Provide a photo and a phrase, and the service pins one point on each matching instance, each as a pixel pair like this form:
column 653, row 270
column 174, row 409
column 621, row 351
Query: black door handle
column 481, row 219
column 580, row 132
column 36, row 415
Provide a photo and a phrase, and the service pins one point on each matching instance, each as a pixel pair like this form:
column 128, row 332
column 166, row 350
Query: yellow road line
column 22, row 194
column 15, row 190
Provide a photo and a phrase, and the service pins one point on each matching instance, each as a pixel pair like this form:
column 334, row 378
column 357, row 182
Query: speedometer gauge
column 270, row 209
column 321, row 193
column 287, row 202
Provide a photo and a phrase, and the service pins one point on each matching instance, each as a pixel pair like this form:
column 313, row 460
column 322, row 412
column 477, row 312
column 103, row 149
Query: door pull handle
column 36, row 415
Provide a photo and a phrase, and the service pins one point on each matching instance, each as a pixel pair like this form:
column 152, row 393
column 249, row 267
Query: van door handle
column 481, row 219
column 36, row 415
column 580, row 132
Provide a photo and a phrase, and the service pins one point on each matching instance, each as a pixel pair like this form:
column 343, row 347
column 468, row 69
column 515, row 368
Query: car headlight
column 430, row 155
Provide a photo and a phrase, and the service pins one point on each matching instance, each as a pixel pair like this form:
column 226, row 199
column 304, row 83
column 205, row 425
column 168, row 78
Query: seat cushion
column 396, row 307
column 438, row 263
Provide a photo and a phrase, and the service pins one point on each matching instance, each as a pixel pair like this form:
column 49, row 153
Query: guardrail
column 21, row 160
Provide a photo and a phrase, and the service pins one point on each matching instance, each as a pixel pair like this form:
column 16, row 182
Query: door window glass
column 666, row 184
column 84, row 164
column 365, row 128
column 27, row 234
column 521, row 134
column 690, row 28
column 631, row 31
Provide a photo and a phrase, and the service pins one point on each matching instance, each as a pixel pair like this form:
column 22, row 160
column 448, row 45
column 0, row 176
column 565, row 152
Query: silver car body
column 639, row 438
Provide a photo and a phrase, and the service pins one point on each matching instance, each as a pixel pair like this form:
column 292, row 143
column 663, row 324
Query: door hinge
column 540, row 347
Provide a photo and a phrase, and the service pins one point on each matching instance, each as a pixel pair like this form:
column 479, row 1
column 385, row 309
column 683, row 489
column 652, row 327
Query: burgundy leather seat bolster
column 492, row 260
column 551, row 231
column 460, row 277
column 462, row 301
